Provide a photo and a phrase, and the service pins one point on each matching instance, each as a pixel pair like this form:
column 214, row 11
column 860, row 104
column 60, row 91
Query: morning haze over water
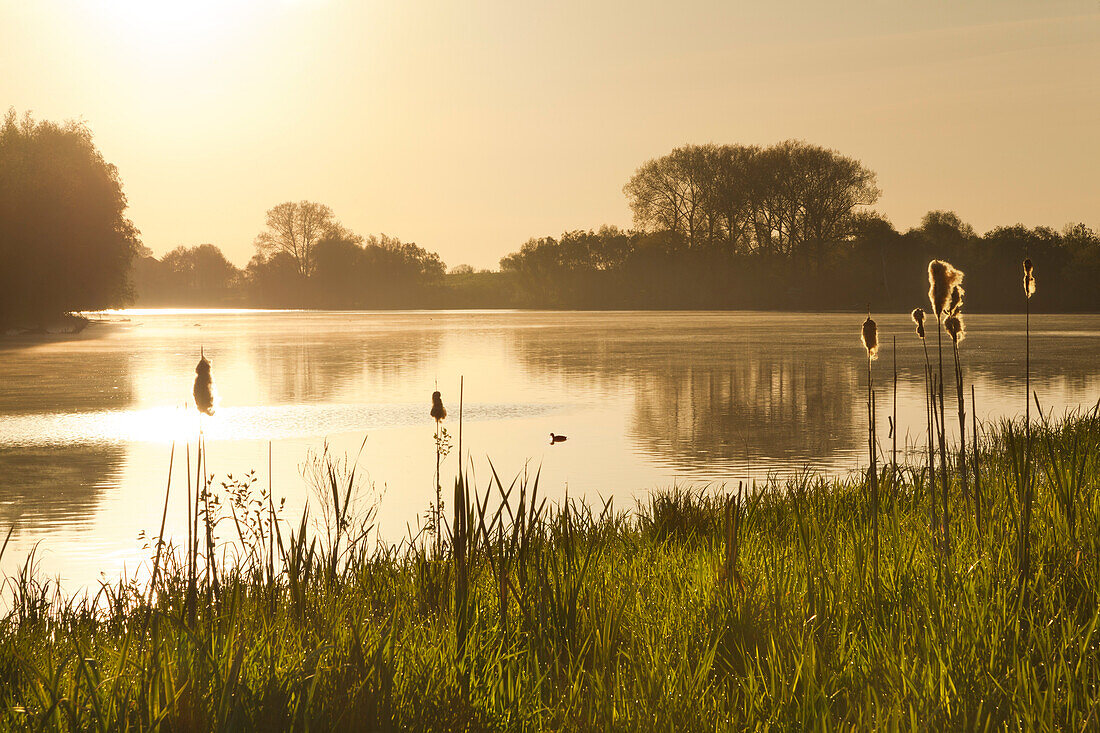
column 648, row 399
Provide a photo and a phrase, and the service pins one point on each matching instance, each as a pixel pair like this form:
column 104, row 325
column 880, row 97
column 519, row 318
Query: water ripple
column 276, row 422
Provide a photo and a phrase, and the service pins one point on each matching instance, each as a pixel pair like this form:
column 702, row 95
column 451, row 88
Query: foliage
column 197, row 276
column 788, row 199
column 65, row 243
column 873, row 264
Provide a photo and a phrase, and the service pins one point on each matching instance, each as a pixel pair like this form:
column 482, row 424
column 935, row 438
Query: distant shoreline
column 64, row 325
column 163, row 310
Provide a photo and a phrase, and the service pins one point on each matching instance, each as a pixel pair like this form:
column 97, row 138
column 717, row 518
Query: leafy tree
column 792, row 199
column 200, row 273
column 65, row 242
column 275, row 281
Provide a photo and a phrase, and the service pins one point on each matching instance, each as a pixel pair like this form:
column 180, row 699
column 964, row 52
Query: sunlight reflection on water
column 278, row 422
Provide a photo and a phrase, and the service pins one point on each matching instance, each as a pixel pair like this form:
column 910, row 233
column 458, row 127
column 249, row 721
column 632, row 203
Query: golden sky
column 469, row 127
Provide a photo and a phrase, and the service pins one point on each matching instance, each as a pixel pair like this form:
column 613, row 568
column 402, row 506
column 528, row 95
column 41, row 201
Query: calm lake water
column 646, row 399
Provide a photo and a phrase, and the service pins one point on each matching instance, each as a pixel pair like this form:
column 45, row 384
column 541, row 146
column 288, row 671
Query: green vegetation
column 701, row 610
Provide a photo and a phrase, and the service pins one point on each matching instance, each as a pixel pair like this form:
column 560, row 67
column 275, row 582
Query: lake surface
column 647, row 400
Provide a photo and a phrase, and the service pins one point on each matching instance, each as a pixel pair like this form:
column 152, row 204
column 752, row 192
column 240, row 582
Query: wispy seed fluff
column 1029, row 278
column 204, row 386
column 942, row 277
column 918, row 318
column 869, row 336
column 439, row 412
column 955, row 327
column 956, row 302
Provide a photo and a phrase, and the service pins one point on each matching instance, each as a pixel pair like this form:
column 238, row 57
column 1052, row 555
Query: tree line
column 304, row 259
column 784, row 227
column 715, row 227
column 875, row 265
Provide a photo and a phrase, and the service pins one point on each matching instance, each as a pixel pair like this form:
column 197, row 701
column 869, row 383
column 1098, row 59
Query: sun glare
column 173, row 25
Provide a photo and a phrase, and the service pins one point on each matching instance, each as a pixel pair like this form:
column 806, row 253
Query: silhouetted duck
column 557, row 438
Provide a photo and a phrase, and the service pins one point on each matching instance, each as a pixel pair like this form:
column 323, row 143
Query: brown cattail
column 204, row 386
column 955, row 327
column 942, row 277
column 869, row 336
column 439, row 412
column 1029, row 278
column 956, row 302
column 918, row 318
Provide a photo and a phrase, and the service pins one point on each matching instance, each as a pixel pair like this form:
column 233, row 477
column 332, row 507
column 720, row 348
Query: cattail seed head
column 439, row 412
column 942, row 277
column 869, row 336
column 955, row 327
column 918, row 318
column 204, row 386
column 1029, row 278
column 955, row 304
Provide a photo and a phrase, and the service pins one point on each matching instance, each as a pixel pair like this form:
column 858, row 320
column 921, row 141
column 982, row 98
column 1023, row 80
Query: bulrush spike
column 204, row 385
column 942, row 277
column 956, row 303
column 918, row 318
column 439, row 412
column 869, row 336
column 955, row 327
column 1029, row 278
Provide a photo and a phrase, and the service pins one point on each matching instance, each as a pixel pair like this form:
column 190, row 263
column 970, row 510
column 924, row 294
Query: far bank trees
column 294, row 228
column 792, row 200
column 306, row 258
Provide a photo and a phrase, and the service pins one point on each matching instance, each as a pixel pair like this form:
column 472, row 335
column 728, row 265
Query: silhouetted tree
column 202, row 272
column 275, row 281
column 787, row 200
column 65, row 243
column 295, row 228
column 187, row 276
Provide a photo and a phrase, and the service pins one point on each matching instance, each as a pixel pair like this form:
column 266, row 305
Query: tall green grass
column 694, row 610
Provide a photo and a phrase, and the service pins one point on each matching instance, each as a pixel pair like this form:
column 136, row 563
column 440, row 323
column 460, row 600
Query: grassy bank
column 693, row 612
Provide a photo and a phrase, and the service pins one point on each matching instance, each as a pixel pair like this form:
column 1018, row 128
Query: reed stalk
column 961, row 399
column 437, row 520
column 894, row 418
column 944, row 287
column 946, row 537
column 461, row 554
column 869, row 337
column 439, row 414
column 929, row 414
column 1026, row 490
column 955, row 328
column 979, row 506
column 929, row 409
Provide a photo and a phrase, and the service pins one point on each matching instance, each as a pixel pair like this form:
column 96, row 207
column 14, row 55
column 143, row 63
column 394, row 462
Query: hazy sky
column 469, row 127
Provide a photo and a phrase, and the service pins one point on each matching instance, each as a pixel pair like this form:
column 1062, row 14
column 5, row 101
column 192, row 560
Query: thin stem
column 977, row 473
column 438, row 519
column 874, row 469
column 943, row 445
column 929, row 411
column 894, row 423
column 961, row 399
